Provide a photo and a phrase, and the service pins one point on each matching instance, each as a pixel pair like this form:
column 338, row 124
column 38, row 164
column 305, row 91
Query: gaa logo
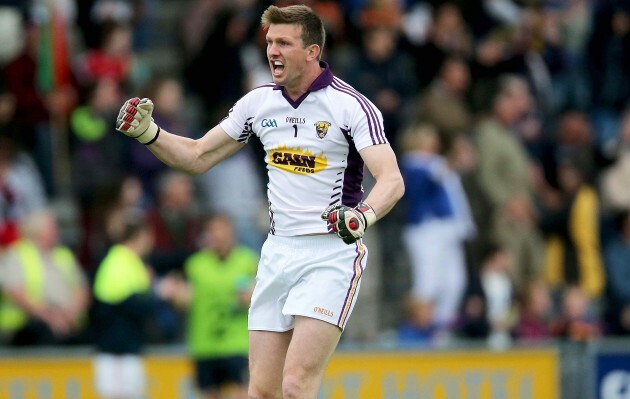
column 269, row 123
column 322, row 128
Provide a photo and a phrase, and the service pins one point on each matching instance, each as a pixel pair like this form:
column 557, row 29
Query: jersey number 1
column 294, row 130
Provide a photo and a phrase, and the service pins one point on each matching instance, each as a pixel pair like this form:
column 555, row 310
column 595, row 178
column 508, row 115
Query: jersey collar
column 323, row 80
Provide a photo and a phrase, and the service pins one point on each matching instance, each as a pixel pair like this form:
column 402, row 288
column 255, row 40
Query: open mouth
column 277, row 67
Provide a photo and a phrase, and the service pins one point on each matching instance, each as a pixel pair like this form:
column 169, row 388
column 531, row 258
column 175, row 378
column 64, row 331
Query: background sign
column 531, row 374
column 514, row 374
column 612, row 376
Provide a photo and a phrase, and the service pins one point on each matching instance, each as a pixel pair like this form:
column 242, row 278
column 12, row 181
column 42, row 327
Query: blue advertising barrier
column 612, row 375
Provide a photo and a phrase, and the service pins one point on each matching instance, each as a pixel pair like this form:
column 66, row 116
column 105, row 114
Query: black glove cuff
column 154, row 138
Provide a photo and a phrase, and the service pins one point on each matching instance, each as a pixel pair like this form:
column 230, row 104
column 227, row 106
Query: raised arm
column 194, row 156
column 182, row 153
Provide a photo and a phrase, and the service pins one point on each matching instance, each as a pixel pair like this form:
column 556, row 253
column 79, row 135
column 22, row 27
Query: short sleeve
column 238, row 123
column 367, row 124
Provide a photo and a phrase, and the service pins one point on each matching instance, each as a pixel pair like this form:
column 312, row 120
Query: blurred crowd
column 510, row 120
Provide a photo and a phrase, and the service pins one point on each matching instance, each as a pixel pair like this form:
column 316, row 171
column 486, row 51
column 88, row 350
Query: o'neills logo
column 296, row 160
column 323, row 311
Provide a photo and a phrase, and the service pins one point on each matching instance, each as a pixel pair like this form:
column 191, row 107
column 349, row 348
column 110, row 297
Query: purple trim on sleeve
column 362, row 104
column 323, row 80
column 352, row 191
column 368, row 108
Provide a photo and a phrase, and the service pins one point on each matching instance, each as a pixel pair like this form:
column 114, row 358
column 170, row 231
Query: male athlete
column 318, row 132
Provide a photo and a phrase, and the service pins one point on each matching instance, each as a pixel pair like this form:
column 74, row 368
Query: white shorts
column 120, row 376
column 315, row 276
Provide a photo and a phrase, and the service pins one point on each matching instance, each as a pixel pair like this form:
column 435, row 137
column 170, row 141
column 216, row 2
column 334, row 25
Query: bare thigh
column 313, row 343
column 292, row 360
column 267, row 351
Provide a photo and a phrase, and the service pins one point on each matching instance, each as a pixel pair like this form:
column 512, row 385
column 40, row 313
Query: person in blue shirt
column 438, row 220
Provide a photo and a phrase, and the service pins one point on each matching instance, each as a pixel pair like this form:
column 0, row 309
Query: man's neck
column 310, row 74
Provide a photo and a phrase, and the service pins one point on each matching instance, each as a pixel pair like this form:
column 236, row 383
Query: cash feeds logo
column 297, row 160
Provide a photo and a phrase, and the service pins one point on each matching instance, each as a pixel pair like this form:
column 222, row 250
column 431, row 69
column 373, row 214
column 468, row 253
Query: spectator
column 571, row 225
column 384, row 73
column 437, row 223
column 46, row 292
column 211, row 28
column 505, row 176
column 8, row 107
column 614, row 190
column 12, row 25
column 617, row 262
column 174, row 220
column 136, row 13
column 576, row 321
column 537, row 37
column 444, row 104
column 114, row 59
column 608, row 60
column 123, row 304
column 495, row 55
column 21, row 189
column 93, row 145
column 448, row 36
column 575, row 139
column 571, row 83
column 535, row 313
column 464, row 160
column 102, row 223
column 472, row 322
column 32, row 130
column 418, row 327
column 217, row 293
column 496, row 277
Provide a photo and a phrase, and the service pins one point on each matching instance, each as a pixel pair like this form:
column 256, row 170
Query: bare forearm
column 389, row 187
column 178, row 152
column 385, row 194
column 194, row 156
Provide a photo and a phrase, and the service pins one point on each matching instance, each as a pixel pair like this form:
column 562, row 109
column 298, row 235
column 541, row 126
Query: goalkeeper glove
column 349, row 223
column 134, row 120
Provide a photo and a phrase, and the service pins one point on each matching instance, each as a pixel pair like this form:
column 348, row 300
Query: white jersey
column 312, row 148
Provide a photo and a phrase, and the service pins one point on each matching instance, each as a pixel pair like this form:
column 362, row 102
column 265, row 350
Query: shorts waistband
column 324, row 241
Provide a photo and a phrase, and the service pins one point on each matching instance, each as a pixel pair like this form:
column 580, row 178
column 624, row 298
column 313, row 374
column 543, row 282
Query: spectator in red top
column 114, row 59
column 534, row 320
column 174, row 219
column 576, row 321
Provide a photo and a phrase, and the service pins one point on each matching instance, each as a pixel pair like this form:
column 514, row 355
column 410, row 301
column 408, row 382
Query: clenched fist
column 349, row 223
column 134, row 120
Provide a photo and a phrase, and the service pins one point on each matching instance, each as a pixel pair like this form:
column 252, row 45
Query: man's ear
column 313, row 52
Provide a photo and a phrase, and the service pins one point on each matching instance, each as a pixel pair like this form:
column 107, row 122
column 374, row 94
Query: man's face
column 286, row 54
